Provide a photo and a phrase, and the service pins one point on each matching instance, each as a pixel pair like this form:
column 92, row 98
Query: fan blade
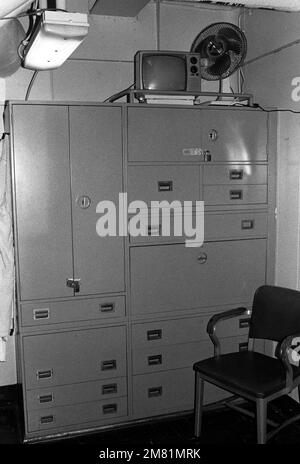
column 204, row 47
column 220, row 66
column 232, row 39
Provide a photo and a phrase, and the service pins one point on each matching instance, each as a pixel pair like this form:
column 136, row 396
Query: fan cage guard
column 224, row 45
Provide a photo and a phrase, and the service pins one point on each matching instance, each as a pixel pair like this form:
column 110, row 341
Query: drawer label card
column 192, row 151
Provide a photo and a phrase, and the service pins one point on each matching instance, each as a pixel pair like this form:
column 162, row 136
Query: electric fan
column 223, row 46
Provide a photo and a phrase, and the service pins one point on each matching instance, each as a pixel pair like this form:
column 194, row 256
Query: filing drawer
column 235, row 135
column 164, row 358
column 235, row 174
column 235, row 225
column 51, row 312
column 153, row 359
column 64, row 395
column 177, row 331
column 216, row 226
column 74, row 356
column 169, row 391
column 172, row 277
column 78, row 414
column 235, row 195
column 165, row 134
column 158, row 183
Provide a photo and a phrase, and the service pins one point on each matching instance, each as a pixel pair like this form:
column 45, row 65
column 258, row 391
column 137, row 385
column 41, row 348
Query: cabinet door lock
column 75, row 284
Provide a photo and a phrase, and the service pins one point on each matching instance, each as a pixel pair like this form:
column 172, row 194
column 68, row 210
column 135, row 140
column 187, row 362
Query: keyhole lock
column 213, row 135
column 202, row 258
column 84, row 202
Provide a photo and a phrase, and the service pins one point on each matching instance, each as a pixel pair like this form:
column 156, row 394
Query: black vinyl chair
column 251, row 375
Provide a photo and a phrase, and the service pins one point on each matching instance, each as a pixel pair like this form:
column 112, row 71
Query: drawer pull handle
column 244, row 323
column 47, row 419
column 236, row 194
column 155, row 392
column 165, row 185
column 107, row 307
column 236, row 174
column 45, row 374
column 109, row 389
column 154, row 334
column 109, row 365
column 154, row 230
column 46, row 399
column 41, row 314
column 109, row 408
column 155, row 360
column 202, row 259
column 243, row 346
column 247, row 224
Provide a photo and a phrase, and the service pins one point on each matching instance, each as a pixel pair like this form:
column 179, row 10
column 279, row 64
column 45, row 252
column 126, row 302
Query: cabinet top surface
column 11, row 103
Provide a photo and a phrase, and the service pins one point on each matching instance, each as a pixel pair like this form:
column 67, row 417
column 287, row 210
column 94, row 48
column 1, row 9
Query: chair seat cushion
column 246, row 371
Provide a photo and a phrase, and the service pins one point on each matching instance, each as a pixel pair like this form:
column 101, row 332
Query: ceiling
column 131, row 8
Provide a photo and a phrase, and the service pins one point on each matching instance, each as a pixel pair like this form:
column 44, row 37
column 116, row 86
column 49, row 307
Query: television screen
column 164, row 72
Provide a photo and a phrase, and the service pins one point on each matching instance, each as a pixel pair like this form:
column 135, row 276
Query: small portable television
column 167, row 71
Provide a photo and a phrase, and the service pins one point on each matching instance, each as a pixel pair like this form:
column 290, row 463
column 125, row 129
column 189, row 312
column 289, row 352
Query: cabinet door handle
column 109, row 365
column 244, row 323
column 110, row 408
column 247, row 224
column 107, row 307
column 243, row 346
column 236, row 194
column 41, row 314
column 154, row 334
column 236, row 174
column 155, row 392
column 47, row 374
column 165, row 185
column 46, row 398
column 155, row 360
column 109, row 389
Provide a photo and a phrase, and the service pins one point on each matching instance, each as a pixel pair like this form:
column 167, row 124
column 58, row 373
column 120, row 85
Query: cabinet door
column 165, row 134
column 173, row 277
column 235, row 135
column 42, row 189
column 96, row 171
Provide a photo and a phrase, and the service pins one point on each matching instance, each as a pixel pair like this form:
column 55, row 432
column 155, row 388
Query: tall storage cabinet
column 109, row 327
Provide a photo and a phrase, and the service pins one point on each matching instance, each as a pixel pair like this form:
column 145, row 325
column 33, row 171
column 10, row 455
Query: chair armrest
column 214, row 320
column 282, row 352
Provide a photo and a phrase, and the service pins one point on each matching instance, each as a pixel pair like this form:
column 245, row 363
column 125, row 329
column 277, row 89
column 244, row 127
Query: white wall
column 270, row 80
column 103, row 65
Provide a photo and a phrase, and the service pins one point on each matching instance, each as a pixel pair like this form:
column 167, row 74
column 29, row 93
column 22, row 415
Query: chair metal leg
column 199, row 389
column 261, row 419
column 299, row 393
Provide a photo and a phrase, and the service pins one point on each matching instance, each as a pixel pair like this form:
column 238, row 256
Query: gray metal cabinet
column 144, row 302
column 239, row 135
column 66, row 160
column 164, row 134
column 42, row 196
column 172, row 277
column 189, row 135
column 96, row 175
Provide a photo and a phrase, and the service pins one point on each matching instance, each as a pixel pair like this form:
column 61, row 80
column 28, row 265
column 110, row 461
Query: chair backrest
column 275, row 313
